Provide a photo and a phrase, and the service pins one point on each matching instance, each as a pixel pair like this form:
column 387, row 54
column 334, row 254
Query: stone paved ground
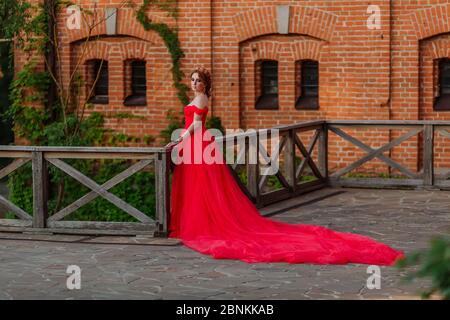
column 34, row 269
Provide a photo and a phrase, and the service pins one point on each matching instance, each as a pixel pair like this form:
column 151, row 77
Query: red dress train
column 211, row 215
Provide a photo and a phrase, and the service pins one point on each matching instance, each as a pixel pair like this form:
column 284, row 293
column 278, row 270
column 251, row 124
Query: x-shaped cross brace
column 372, row 153
column 98, row 190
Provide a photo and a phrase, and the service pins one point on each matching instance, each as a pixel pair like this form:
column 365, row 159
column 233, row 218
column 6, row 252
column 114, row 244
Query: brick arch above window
column 309, row 49
column 438, row 48
column 266, row 50
column 135, row 50
column 313, row 22
column 438, row 14
column 302, row 20
column 96, row 50
column 125, row 49
column 296, row 50
column 127, row 25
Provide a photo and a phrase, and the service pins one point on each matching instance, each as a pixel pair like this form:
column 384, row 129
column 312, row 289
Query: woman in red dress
column 210, row 213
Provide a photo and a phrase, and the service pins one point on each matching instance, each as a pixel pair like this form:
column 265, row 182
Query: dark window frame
column 138, row 95
column 442, row 102
column 309, row 86
column 100, row 94
column 268, row 99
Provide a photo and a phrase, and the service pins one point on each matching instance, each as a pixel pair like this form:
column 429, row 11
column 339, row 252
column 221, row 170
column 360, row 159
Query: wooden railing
column 42, row 156
column 290, row 151
column 427, row 178
column 290, row 173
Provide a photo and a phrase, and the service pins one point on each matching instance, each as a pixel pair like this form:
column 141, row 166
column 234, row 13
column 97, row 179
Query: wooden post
column 40, row 190
column 253, row 167
column 323, row 151
column 289, row 159
column 162, row 169
column 428, row 156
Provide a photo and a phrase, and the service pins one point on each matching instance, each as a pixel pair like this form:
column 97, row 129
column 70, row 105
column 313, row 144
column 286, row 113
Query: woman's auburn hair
column 205, row 76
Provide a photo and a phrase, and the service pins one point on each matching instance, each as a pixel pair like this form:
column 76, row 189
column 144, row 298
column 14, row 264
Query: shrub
column 433, row 263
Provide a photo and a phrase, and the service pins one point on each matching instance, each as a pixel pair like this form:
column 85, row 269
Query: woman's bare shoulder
column 201, row 102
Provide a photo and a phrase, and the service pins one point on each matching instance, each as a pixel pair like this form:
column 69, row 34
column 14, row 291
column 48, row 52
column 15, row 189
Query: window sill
column 267, row 102
column 99, row 100
column 442, row 103
column 135, row 101
column 307, row 103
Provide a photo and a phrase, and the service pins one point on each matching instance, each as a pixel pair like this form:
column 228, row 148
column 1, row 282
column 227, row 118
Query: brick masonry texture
column 367, row 74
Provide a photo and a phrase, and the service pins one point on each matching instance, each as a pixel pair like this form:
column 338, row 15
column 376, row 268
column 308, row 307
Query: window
column 138, row 96
column 267, row 83
column 308, row 88
column 98, row 68
column 442, row 101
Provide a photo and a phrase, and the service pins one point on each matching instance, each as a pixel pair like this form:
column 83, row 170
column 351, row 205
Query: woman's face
column 196, row 83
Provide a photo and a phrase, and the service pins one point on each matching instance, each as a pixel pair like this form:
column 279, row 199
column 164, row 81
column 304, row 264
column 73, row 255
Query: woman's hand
column 171, row 144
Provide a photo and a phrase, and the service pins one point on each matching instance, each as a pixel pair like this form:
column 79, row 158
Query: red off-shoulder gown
column 210, row 214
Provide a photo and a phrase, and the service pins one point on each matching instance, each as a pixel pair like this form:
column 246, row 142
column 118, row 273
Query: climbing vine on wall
column 61, row 122
column 170, row 38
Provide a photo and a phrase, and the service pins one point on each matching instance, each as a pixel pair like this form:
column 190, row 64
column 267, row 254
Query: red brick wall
column 364, row 74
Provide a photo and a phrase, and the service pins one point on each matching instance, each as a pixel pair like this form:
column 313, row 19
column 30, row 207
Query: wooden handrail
column 42, row 155
column 289, row 145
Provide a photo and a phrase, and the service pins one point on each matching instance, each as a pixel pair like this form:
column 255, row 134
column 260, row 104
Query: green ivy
column 6, row 135
column 138, row 190
column 54, row 126
column 170, row 38
column 433, row 263
column 175, row 121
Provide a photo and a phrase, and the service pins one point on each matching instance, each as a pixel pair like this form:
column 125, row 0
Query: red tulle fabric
column 210, row 214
